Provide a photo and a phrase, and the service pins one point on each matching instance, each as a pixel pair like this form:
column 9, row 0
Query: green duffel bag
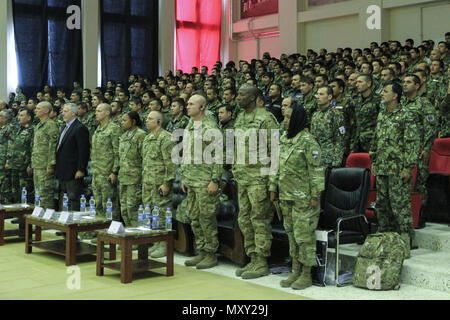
column 380, row 261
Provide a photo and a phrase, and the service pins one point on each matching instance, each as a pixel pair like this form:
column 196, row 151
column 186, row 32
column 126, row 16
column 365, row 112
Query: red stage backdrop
column 256, row 8
column 198, row 24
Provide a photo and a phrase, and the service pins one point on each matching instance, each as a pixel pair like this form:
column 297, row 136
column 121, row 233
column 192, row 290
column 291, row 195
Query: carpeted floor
column 43, row 275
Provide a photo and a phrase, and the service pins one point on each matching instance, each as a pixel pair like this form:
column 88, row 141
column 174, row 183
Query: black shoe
column 15, row 221
column 412, row 246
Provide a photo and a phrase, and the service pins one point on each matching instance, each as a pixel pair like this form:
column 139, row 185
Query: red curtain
column 198, row 24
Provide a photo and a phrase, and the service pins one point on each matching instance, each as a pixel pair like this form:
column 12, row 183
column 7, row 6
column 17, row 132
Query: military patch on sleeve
column 315, row 154
column 430, row 118
column 342, row 130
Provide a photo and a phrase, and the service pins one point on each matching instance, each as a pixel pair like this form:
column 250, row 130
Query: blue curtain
column 129, row 39
column 47, row 51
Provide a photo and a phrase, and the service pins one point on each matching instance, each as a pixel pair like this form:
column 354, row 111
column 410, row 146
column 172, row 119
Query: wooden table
column 15, row 211
column 69, row 247
column 126, row 241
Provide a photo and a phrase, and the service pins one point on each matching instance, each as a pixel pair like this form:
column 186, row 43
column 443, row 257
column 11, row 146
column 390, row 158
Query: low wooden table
column 126, row 241
column 69, row 247
column 15, row 211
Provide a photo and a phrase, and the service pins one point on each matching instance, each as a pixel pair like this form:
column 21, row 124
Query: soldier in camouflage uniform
column 201, row 181
column 427, row 121
column 394, row 154
column 179, row 120
column 136, row 106
column 18, row 158
column 158, row 172
column 5, row 136
column 444, row 108
column 130, row 172
column 308, row 100
column 43, row 158
column 105, row 161
column 286, row 83
column 328, row 128
column 366, row 112
column 88, row 121
column 255, row 209
column 299, row 182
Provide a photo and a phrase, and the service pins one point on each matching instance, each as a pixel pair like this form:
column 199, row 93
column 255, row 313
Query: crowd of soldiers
column 388, row 100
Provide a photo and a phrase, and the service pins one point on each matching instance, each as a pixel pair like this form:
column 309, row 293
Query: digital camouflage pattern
column 444, row 108
column 381, row 254
column 328, row 128
column 158, row 169
column 309, row 102
column 366, row 113
column 299, row 180
column 43, row 157
column 5, row 134
column 130, row 174
column 180, row 123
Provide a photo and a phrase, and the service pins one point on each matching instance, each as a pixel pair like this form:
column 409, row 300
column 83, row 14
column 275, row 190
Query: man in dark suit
column 72, row 156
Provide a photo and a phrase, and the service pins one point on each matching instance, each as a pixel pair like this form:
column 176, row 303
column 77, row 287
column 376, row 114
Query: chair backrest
column 346, row 194
column 440, row 157
column 361, row 160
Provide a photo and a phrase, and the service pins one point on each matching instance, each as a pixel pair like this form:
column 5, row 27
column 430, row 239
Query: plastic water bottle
column 109, row 208
column 37, row 198
column 155, row 214
column 65, row 203
column 147, row 213
column 141, row 216
column 168, row 219
column 24, row 195
column 83, row 203
column 92, row 206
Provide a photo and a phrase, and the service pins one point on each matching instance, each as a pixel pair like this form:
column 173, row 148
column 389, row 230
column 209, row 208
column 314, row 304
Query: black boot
column 422, row 221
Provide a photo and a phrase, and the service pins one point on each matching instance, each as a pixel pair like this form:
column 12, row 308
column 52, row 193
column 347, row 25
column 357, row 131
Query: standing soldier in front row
column 255, row 208
column 201, row 181
column 18, row 159
column 158, row 172
column 394, row 155
column 43, row 158
column 5, row 135
column 130, row 172
column 328, row 128
column 105, row 161
column 299, row 183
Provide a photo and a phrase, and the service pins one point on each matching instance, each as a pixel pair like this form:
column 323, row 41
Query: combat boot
column 193, row 262
column 209, row 261
column 407, row 240
column 259, row 269
column 304, row 281
column 296, row 270
column 240, row 271
column 160, row 251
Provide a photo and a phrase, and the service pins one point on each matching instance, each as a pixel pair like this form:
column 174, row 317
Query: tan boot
column 296, row 270
column 304, row 281
column 209, row 261
column 161, row 251
column 193, row 262
column 240, row 271
column 259, row 269
column 407, row 240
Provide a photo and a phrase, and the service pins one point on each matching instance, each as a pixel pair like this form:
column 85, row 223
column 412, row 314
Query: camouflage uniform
column 214, row 107
column 366, row 113
column 300, row 179
column 309, row 102
column 180, row 123
column 328, row 128
column 19, row 159
column 5, row 136
column 439, row 87
column 104, row 162
column 426, row 117
column 346, row 107
column 201, row 206
column 255, row 209
column 44, row 157
column 395, row 150
column 130, row 174
column 157, row 169
column 444, row 108
column 90, row 122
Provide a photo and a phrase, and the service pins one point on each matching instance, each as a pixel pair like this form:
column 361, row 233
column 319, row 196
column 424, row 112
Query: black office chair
column 343, row 206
